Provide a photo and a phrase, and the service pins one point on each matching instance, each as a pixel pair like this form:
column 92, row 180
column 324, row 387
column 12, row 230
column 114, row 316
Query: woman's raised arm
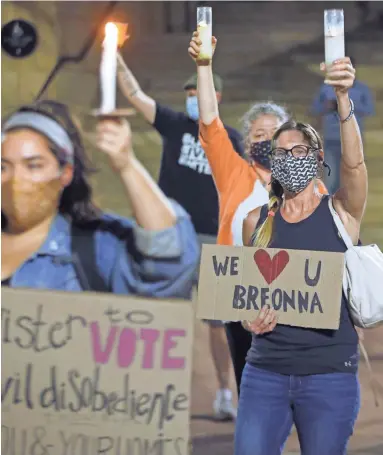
column 223, row 159
column 350, row 199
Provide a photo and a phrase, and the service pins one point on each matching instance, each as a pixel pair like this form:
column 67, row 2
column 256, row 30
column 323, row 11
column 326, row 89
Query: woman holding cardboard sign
column 54, row 236
column 306, row 376
column 242, row 185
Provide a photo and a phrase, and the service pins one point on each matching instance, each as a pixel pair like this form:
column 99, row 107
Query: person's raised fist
column 195, row 48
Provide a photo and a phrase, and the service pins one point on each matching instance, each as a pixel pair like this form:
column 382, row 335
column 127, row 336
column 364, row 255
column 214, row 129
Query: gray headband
column 46, row 126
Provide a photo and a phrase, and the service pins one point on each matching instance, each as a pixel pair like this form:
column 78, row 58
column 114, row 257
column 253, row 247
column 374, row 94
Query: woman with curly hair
column 54, row 236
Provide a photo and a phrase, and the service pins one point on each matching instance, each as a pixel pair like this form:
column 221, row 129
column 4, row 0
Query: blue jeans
column 324, row 408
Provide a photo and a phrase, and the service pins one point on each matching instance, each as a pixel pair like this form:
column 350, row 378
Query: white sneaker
column 223, row 406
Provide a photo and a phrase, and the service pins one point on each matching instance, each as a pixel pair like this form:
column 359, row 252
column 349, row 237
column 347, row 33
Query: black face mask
column 260, row 153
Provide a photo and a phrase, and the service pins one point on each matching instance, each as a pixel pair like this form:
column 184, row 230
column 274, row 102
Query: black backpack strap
column 262, row 218
column 84, row 260
column 263, row 215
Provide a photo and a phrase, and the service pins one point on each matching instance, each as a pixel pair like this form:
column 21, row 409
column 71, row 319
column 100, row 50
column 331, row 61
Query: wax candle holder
column 113, row 115
column 334, row 35
column 204, row 29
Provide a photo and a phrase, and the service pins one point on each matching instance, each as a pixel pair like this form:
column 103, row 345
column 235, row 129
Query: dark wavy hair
column 76, row 200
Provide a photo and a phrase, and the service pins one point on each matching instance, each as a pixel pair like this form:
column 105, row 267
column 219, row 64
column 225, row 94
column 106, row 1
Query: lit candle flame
column 111, row 32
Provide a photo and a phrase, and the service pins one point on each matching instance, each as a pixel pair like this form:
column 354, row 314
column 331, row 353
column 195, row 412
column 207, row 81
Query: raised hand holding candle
column 108, row 69
column 204, row 28
column 334, row 35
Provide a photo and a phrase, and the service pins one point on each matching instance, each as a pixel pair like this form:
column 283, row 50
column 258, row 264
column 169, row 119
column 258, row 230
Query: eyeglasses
column 298, row 151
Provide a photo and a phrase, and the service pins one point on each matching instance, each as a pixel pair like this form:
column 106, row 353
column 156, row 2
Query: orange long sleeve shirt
column 239, row 188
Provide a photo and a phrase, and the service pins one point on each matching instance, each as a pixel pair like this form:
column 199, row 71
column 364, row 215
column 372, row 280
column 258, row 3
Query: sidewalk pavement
column 214, row 438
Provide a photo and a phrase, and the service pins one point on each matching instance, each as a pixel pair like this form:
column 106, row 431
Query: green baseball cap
column 192, row 82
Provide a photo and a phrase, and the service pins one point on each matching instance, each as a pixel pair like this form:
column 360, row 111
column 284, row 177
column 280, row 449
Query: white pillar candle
column 334, row 35
column 204, row 28
column 108, row 69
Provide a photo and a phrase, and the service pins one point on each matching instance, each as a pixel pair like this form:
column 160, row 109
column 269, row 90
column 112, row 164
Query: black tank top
column 302, row 351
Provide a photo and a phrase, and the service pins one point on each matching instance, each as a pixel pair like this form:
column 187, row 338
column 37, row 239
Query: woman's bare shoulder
column 254, row 214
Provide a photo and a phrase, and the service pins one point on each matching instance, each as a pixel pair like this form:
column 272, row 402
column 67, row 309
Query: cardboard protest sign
column 89, row 374
column 304, row 287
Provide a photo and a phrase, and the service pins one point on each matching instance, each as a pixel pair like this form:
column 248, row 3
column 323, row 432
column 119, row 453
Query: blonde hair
column 263, row 235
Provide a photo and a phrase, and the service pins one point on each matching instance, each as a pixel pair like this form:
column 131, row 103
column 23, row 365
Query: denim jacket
column 129, row 259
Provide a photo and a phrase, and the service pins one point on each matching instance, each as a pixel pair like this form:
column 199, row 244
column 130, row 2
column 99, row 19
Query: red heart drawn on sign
column 271, row 268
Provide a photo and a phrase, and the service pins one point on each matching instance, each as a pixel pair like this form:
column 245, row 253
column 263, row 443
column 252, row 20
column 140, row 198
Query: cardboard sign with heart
column 304, row 287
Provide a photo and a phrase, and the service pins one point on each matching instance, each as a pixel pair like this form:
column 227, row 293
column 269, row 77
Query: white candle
column 108, row 69
column 334, row 35
column 204, row 28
